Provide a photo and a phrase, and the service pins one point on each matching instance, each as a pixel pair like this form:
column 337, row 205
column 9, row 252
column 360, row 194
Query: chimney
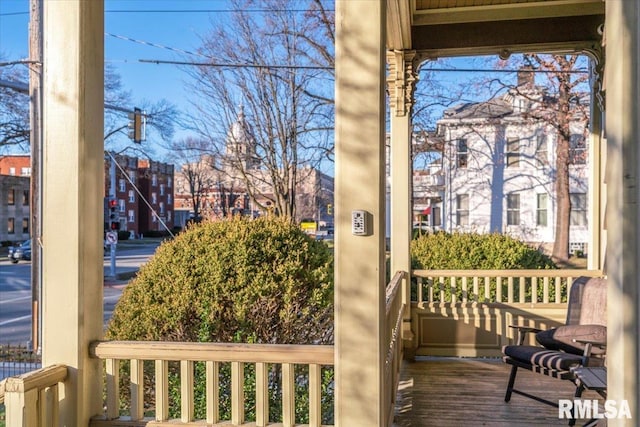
column 526, row 77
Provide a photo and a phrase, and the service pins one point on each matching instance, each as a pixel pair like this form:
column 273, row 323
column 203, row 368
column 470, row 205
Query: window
column 168, row 215
column 577, row 149
column 132, row 196
column 132, row 176
column 169, row 182
column 436, row 216
column 169, row 198
column 513, row 152
column 154, row 198
column 11, row 225
column 12, row 171
column 121, row 186
column 25, row 225
column 161, row 208
column 462, row 209
column 154, row 179
column 541, row 210
column 578, row 209
column 25, row 171
column 131, row 215
column 121, row 205
column 25, row 198
column 542, row 158
column 462, row 153
column 11, row 197
column 162, row 189
column 513, row 209
column 154, row 218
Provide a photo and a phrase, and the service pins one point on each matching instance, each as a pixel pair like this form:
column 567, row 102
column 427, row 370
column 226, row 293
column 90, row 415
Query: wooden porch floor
column 470, row 392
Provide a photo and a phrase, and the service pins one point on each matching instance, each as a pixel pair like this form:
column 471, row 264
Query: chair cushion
column 539, row 356
column 561, row 338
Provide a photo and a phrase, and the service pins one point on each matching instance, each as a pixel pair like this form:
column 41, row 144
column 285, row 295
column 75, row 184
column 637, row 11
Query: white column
column 400, row 84
column 622, row 80
column 73, row 175
column 360, row 185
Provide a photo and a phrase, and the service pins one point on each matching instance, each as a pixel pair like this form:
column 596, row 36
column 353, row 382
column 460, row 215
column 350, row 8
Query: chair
column 579, row 343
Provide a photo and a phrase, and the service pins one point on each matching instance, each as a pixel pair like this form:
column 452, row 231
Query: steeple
column 241, row 144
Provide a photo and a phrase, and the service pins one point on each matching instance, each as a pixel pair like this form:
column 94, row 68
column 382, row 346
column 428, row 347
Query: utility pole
column 35, row 119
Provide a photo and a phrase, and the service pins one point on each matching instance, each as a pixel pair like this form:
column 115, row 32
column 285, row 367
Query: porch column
column 597, row 188
column 360, row 189
column 622, row 82
column 73, row 175
column 400, row 82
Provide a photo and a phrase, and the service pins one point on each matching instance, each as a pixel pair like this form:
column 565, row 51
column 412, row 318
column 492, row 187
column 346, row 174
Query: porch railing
column 495, row 286
column 31, row 399
column 212, row 355
column 393, row 332
column 468, row 313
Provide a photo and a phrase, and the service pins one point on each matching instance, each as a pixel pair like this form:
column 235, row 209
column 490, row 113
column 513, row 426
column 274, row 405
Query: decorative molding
column 401, row 80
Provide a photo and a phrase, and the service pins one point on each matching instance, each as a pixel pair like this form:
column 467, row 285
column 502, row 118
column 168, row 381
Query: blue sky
column 169, row 23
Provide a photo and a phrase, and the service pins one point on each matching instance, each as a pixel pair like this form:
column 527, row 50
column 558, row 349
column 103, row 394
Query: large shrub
column 238, row 280
column 473, row 251
column 252, row 281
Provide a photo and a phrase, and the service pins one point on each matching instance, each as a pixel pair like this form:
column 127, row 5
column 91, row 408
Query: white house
column 499, row 170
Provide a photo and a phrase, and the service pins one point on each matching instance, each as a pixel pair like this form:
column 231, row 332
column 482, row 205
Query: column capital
column 401, row 80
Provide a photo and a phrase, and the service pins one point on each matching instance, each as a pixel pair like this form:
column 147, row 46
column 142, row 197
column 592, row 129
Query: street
column 15, row 289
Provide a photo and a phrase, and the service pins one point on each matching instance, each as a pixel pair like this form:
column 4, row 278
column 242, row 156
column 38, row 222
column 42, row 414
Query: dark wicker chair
column 579, row 343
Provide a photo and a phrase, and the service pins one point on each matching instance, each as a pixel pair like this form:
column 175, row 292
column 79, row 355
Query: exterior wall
column 17, row 165
column 14, row 208
column 133, row 213
column 487, row 180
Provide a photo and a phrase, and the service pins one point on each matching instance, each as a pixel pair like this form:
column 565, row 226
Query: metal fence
column 17, row 359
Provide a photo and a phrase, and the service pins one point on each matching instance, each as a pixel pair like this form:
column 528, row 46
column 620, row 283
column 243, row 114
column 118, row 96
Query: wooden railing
column 212, row 355
column 494, row 286
column 393, row 332
column 31, row 399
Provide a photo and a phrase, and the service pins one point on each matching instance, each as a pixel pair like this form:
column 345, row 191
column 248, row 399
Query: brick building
column 143, row 191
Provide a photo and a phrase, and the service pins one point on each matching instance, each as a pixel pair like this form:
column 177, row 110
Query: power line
column 487, row 70
column 146, row 43
column 191, row 11
column 229, row 65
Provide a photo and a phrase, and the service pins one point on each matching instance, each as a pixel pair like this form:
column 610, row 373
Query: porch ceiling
column 460, row 27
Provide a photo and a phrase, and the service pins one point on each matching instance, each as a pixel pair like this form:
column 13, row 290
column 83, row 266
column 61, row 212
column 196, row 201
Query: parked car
column 20, row 252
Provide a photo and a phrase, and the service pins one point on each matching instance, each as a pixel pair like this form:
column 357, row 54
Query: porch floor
column 442, row 391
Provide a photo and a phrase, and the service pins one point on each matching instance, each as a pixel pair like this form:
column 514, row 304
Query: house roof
column 494, row 108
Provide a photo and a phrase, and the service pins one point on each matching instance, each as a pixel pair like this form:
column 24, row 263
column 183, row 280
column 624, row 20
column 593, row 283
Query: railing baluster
column 522, row 288
column 213, row 391
column 315, row 393
column 186, row 391
column 476, row 289
column 487, row 289
column 137, row 389
column 558, row 283
column 453, row 289
column 113, row 388
column 419, row 293
column 288, row 395
column 237, row 393
column 465, row 289
column 262, row 395
column 441, row 286
column 162, row 390
column 534, row 290
column 430, row 284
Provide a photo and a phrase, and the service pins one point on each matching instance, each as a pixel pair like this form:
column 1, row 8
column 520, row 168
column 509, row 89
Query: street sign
column 112, row 237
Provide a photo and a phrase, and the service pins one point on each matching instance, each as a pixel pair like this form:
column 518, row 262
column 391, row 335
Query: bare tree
column 195, row 176
column 14, row 110
column 285, row 121
column 563, row 107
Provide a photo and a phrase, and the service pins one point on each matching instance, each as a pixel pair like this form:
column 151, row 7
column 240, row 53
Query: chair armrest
column 523, row 331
